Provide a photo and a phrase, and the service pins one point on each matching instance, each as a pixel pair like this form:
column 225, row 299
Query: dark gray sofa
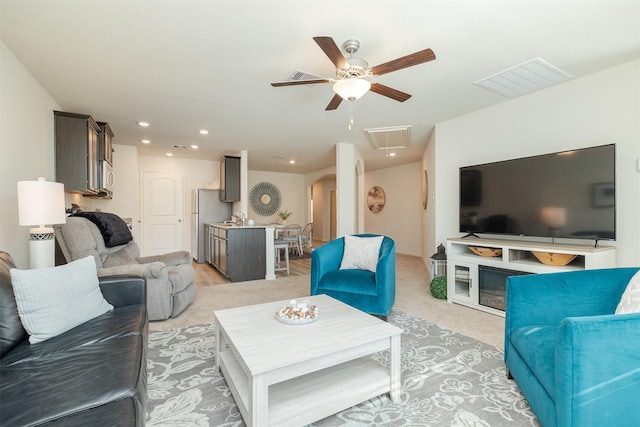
column 92, row 375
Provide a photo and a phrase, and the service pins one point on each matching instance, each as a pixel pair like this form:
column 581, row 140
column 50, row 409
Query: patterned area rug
column 448, row 379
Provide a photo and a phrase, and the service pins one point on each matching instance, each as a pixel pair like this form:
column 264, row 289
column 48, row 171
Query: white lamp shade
column 41, row 202
column 351, row 88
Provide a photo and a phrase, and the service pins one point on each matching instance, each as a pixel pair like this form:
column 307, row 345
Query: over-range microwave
column 106, row 179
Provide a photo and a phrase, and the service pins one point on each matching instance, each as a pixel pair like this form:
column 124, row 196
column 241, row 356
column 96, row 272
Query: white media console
column 479, row 281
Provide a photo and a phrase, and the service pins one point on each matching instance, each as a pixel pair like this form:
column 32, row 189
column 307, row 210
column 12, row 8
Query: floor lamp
column 41, row 203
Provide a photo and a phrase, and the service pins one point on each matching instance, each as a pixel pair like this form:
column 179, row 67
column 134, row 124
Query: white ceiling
column 187, row 65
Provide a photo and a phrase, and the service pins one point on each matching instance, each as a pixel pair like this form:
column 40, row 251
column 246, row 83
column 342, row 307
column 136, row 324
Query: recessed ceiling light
column 291, row 162
column 145, row 141
column 392, row 154
column 204, row 131
column 194, row 146
column 144, row 124
column 170, row 154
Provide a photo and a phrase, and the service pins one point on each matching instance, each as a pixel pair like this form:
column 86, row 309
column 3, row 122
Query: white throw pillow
column 361, row 253
column 55, row 299
column 630, row 300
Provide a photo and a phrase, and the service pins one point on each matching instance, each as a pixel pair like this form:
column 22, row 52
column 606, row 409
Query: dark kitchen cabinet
column 246, row 254
column 230, row 179
column 106, row 175
column 76, row 148
column 218, row 248
column 105, row 149
column 239, row 253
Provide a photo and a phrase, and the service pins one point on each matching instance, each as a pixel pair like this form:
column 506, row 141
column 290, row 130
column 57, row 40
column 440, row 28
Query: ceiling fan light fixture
column 352, row 88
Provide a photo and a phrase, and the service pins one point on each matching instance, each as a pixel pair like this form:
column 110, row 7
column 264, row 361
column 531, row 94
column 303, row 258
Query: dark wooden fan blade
column 389, row 92
column 331, row 49
column 404, row 62
column 300, row 82
column 335, row 102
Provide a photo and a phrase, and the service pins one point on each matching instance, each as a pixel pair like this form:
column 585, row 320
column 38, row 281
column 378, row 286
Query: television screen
column 570, row 194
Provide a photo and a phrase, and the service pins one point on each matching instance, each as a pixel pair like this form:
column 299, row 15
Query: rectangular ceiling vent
column 298, row 75
column 527, row 77
column 392, row 137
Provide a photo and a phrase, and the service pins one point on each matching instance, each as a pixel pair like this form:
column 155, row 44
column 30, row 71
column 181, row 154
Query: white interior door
column 162, row 212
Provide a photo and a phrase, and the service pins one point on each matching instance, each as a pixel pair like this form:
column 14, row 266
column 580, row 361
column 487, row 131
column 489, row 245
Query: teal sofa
column 576, row 362
column 373, row 293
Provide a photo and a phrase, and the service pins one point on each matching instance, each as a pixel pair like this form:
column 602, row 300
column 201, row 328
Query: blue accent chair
column 576, row 362
column 373, row 293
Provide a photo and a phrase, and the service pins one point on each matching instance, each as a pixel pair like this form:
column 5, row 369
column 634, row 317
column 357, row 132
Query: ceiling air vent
column 387, row 138
column 527, row 77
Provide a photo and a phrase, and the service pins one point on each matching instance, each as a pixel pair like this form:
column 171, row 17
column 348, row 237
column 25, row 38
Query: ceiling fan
column 353, row 73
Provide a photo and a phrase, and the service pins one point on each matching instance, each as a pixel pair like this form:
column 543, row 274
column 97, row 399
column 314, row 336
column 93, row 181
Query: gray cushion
column 181, row 276
column 122, row 257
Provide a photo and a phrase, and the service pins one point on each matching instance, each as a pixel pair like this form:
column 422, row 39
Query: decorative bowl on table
column 298, row 313
column 488, row 252
column 553, row 258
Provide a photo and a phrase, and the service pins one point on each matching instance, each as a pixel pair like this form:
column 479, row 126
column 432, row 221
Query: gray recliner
column 170, row 277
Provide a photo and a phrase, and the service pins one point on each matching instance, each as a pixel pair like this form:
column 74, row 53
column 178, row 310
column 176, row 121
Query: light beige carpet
column 412, row 296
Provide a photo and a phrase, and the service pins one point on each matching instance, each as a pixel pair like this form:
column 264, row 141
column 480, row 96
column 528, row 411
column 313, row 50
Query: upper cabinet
column 106, row 175
column 84, row 155
column 76, row 146
column 230, row 179
column 105, row 150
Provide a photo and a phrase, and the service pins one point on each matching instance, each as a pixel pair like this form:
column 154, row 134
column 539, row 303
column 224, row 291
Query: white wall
column 429, row 244
column 322, row 209
column 198, row 173
column 594, row 110
column 292, row 190
column 350, row 188
column 26, row 147
column 401, row 217
column 323, row 182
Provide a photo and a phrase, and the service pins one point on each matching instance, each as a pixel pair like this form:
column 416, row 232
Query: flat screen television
column 569, row 194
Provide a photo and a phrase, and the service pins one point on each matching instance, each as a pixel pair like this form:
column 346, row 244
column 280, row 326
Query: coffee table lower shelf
column 310, row 397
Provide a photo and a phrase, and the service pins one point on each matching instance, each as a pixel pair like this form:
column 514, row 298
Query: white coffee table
column 292, row 375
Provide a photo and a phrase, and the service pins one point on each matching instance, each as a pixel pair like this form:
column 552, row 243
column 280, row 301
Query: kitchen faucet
column 242, row 218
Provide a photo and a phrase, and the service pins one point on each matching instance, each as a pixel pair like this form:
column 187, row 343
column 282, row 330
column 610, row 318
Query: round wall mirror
column 376, row 199
column 264, row 199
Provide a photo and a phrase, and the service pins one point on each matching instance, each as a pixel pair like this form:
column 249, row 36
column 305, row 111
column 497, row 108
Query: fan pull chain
column 350, row 114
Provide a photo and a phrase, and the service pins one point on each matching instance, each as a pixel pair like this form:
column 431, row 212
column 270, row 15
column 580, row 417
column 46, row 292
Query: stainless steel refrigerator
column 207, row 208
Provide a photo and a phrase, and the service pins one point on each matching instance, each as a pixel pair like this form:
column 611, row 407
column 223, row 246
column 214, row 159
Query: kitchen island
column 242, row 253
